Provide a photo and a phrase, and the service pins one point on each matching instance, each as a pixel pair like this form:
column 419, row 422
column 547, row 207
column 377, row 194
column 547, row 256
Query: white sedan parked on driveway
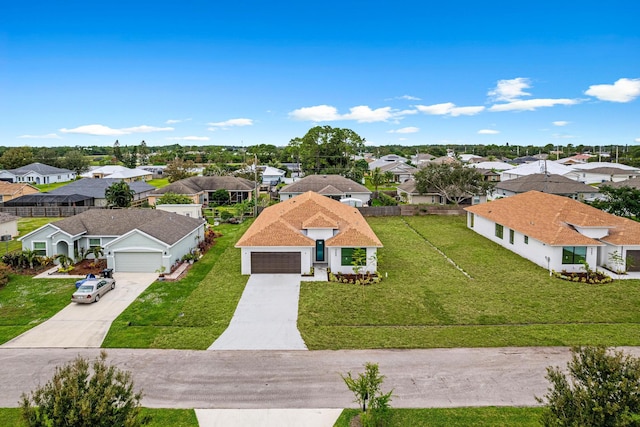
column 91, row 290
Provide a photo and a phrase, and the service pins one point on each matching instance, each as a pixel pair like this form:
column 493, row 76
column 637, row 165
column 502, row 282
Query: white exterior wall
column 365, row 197
column 597, row 178
column 305, row 256
column 548, row 257
column 191, row 210
column 10, row 228
column 335, row 261
column 136, row 242
column 319, row 233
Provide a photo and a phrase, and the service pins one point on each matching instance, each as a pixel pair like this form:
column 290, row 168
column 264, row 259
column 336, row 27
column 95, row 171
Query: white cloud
column 174, row 121
column 364, row 114
column 318, row 113
column 189, row 138
column 409, row 129
column 623, row 90
column 637, row 140
column 145, row 129
column 101, row 130
column 360, row 113
column 560, row 123
column 488, row 132
column 47, row 136
column 509, row 90
column 409, row 98
column 532, row 104
column 449, row 109
column 230, row 123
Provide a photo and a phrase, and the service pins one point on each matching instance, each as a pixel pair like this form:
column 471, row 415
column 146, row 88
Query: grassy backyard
column 427, row 302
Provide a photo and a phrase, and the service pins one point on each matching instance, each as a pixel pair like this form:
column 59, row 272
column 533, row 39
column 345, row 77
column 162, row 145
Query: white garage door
column 137, row 262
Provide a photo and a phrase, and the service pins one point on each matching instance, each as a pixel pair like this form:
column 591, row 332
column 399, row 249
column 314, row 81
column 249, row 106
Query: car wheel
column 97, row 298
column 113, row 285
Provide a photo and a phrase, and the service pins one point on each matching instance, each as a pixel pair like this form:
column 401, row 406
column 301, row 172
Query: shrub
column 4, row 275
column 367, row 389
column 602, row 389
column 79, row 396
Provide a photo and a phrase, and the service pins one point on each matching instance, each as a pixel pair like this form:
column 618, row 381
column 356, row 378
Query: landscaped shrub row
column 355, row 279
column 592, row 277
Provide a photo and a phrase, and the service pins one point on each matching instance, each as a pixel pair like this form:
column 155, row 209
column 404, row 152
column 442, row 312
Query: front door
column 319, row 250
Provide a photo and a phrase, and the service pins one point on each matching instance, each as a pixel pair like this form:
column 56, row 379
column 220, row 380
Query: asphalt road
column 305, row 379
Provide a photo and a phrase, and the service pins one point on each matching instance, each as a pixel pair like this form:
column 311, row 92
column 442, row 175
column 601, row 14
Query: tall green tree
column 76, row 161
column 178, row 169
column 453, row 181
column 622, row 201
column 47, row 156
column 117, row 151
column 143, row 153
column 85, row 394
column 598, row 388
column 324, row 149
column 119, row 195
column 16, row 157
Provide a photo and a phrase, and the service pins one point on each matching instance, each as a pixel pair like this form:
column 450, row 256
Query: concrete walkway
column 267, row 417
column 266, row 316
column 85, row 325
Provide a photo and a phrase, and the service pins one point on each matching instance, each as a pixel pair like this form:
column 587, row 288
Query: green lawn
column 426, row 302
column 159, row 417
column 190, row 313
column 25, row 226
column 159, row 183
column 48, row 187
column 27, row 302
column 447, row 417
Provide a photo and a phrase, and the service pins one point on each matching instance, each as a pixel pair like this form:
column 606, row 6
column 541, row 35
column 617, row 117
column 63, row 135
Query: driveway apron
column 85, row 325
column 266, row 316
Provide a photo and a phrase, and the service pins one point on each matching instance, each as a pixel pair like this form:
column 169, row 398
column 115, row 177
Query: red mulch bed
column 87, row 266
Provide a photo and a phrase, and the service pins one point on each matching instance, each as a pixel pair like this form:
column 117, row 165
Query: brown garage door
column 275, row 262
column 633, row 260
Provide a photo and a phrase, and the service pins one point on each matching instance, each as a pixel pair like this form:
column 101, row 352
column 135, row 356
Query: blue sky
column 81, row 73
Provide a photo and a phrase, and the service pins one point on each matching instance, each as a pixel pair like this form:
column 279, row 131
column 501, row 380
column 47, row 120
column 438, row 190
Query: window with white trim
column 40, row 248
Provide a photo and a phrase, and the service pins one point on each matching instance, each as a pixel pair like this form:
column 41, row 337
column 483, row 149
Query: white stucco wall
column 10, row 228
column 191, row 210
column 335, row 261
column 546, row 256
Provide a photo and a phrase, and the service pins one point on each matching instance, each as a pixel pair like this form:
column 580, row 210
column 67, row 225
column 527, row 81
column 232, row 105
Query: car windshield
column 85, row 289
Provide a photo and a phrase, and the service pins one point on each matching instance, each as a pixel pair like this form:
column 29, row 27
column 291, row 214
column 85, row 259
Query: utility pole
column 255, row 178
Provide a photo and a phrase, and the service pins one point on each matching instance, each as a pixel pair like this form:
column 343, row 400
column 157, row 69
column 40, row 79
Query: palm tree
column 119, row 195
column 377, row 179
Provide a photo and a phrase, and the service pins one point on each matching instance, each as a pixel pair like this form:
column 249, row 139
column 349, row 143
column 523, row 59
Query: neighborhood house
column 558, row 233
column 133, row 240
column 309, row 230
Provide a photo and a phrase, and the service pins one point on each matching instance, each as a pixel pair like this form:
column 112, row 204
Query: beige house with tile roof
column 558, row 233
column 309, row 230
column 10, row 190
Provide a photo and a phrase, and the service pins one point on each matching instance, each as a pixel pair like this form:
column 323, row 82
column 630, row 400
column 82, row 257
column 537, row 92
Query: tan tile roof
column 12, row 188
column 320, row 220
column 551, row 219
column 282, row 224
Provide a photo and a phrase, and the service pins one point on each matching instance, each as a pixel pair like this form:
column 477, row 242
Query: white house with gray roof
column 133, row 240
column 37, row 173
column 335, row 187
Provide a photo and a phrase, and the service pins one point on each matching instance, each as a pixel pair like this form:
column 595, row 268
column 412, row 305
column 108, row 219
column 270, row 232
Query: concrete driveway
column 86, row 325
column 266, row 317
